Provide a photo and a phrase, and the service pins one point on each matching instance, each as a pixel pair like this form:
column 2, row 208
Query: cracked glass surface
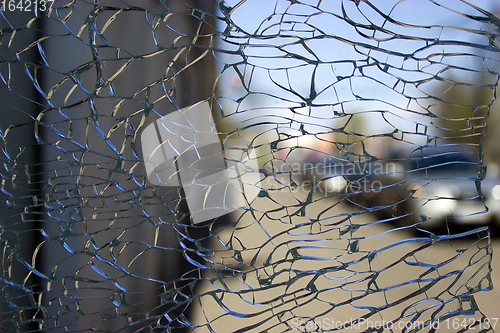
column 335, row 174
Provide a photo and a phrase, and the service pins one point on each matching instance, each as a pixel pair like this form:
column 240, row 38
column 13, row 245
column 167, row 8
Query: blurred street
column 289, row 277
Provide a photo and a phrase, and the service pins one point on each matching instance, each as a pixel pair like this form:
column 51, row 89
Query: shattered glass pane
column 248, row 165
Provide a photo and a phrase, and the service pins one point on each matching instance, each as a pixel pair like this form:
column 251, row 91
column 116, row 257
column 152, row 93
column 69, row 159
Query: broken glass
column 252, row 165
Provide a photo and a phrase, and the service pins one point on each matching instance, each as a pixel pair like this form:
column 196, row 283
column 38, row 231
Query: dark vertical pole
column 20, row 212
column 197, row 79
column 194, row 83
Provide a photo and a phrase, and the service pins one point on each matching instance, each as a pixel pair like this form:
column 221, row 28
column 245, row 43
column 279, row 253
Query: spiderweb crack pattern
column 366, row 121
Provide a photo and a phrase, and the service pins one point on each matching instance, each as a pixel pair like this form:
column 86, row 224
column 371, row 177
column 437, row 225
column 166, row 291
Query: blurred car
column 375, row 186
column 436, row 189
column 446, row 187
column 381, row 190
column 444, row 191
column 325, row 174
